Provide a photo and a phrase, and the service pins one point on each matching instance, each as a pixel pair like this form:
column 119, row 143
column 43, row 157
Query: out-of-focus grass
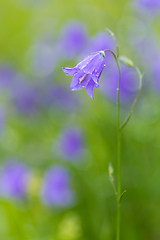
column 31, row 139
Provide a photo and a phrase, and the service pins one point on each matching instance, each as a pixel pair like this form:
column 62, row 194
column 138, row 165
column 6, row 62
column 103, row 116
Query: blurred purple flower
column 44, row 57
column 70, row 144
column 87, row 73
column 147, row 9
column 73, row 40
column 101, row 42
column 13, row 180
column 147, row 56
column 129, row 85
column 56, row 190
column 59, row 97
column 24, row 96
column 2, row 119
column 7, row 76
column 150, row 5
column 150, row 60
column 155, row 74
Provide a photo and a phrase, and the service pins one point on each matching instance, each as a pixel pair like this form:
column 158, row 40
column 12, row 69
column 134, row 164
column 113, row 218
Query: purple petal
column 98, row 70
column 70, row 71
column 97, row 86
column 76, row 79
column 90, row 88
column 85, row 61
column 91, row 66
column 89, row 63
column 82, row 85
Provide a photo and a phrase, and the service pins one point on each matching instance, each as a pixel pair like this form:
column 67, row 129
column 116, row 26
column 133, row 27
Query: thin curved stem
column 115, row 39
column 118, row 150
column 118, row 155
column 119, row 128
column 132, row 108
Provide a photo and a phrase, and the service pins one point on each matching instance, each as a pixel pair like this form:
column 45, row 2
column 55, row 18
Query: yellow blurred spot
column 34, row 185
column 70, row 228
column 110, row 169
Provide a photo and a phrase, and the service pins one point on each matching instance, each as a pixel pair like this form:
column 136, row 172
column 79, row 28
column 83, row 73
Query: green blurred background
column 31, row 138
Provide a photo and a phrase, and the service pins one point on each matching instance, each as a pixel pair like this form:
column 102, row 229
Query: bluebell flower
column 87, row 73
column 56, row 189
column 70, row 145
column 14, row 180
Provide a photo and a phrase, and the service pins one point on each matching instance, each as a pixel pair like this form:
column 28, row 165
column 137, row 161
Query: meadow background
column 56, row 145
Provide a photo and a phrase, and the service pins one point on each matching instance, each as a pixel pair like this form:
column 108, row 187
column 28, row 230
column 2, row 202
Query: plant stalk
column 118, row 156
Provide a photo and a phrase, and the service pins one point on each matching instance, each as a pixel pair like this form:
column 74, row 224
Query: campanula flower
column 87, row 73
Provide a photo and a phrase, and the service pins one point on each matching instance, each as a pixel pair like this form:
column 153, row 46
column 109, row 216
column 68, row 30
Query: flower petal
column 75, row 79
column 98, row 70
column 70, row 71
column 82, row 85
column 92, row 65
column 85, row 61
column 90, row 88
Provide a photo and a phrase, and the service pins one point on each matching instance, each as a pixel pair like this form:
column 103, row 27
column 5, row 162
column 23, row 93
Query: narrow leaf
column 120, row 199
column 126, row 60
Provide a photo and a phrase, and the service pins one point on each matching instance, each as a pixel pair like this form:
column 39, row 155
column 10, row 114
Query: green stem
column 132, row 108
column 119, row 183
column 118, row 155
column 119, row 128
column 118, row 149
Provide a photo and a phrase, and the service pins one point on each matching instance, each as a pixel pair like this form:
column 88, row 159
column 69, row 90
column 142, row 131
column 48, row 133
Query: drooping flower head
column 87, row 73
column 56, row 189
